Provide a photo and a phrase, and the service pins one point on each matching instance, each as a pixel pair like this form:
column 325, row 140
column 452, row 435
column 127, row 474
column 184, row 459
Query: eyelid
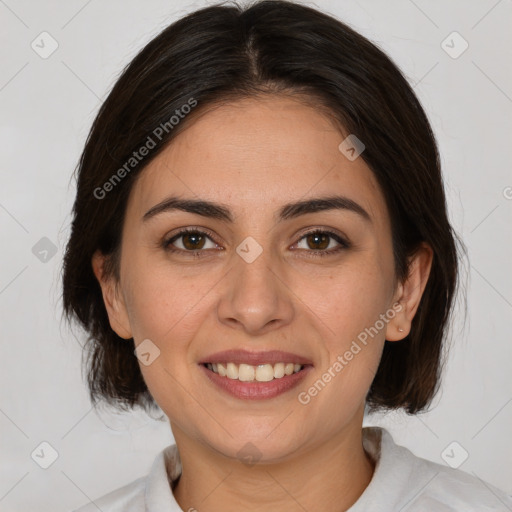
column 168, row 239
column 321, row 229
column 341, row 240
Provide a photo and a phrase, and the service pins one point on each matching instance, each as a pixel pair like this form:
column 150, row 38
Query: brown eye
column 193, row 241
column 189, row 241
column 319, row 241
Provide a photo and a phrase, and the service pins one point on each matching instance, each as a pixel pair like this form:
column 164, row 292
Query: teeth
column 232, row 371
column 264, row 373
column 249, row 373
column 246, row 372
column 278, row 370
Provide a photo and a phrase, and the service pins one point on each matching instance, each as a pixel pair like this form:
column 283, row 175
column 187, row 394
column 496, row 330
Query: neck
column 327, row 476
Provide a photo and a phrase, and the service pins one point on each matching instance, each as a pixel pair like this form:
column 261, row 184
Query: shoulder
column 425, row 485
column 448, row 489
column 129, row 498
column 151, row 492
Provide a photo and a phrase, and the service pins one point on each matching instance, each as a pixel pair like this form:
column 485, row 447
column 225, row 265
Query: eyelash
column 344, row 244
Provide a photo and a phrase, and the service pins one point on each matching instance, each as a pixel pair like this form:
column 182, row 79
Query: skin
column 254, row 155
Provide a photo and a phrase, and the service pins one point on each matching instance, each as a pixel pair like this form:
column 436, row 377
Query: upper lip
column 255, row 358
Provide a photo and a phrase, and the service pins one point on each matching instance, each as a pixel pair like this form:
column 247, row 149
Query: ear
column 409, row 293
column 114, row 301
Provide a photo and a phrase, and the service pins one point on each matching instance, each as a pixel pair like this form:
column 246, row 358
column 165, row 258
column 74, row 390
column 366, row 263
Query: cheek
column 349, row 300
column 352, row 310
column 162, row 302
column 168, row 309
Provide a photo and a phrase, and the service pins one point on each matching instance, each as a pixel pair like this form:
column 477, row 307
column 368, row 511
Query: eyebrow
column 288, row 211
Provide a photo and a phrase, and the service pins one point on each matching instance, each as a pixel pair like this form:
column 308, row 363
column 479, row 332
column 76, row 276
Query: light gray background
column 47, row 107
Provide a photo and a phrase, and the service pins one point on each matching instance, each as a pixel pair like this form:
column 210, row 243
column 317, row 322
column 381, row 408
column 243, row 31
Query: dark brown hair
column 224, row 52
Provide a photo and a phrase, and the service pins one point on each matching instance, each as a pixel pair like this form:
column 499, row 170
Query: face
column 258, row 277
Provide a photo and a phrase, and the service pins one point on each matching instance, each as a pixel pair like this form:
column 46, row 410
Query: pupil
column 195, row 236
column 316, row 236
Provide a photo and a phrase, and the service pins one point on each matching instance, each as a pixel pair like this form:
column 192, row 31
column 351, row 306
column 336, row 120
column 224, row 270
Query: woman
column 260, row 247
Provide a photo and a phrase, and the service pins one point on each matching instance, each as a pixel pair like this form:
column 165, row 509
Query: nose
column 255, row 297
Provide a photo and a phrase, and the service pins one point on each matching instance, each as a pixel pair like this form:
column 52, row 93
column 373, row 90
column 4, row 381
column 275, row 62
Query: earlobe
column 112, row 298
column 410, row 292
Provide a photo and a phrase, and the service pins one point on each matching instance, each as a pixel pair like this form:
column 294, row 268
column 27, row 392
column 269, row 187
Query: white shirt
column 401, row 482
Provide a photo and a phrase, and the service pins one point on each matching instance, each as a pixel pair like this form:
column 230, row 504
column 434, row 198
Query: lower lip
column 257, row 390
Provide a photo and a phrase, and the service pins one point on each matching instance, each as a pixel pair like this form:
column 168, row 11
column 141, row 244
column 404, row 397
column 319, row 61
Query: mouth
column 255, row 375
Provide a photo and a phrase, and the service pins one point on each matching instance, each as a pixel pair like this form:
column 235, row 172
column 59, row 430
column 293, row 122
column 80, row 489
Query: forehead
column 258, row 153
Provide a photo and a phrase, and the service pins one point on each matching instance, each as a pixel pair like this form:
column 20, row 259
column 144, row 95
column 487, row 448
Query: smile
column 250, row 373
column 260, row 381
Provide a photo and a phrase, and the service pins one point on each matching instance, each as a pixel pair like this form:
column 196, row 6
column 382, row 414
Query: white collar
column 158, row 493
